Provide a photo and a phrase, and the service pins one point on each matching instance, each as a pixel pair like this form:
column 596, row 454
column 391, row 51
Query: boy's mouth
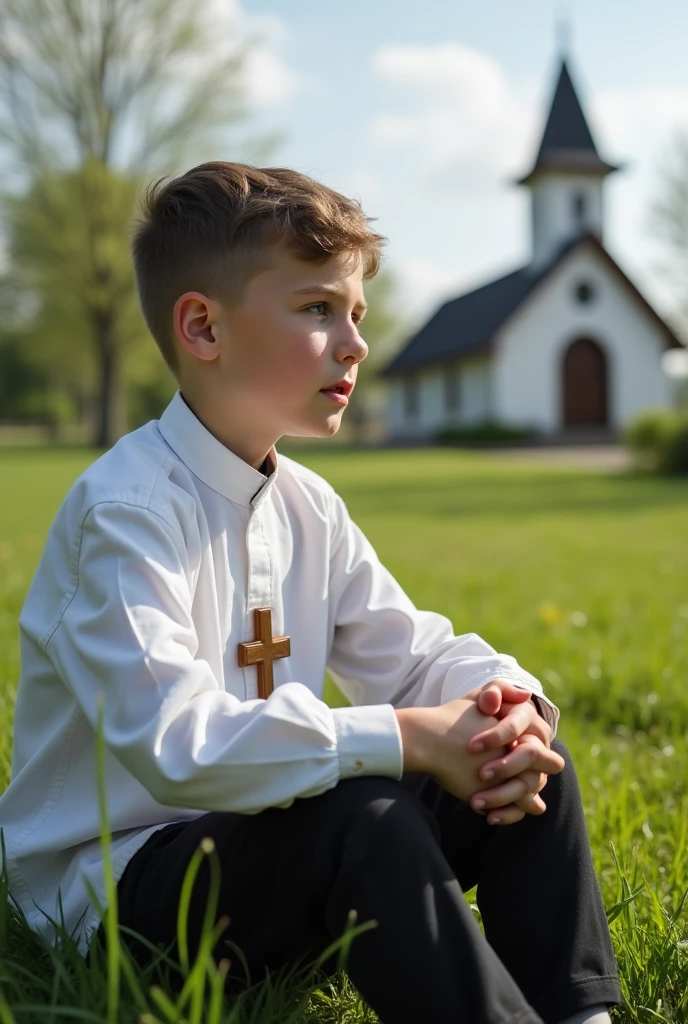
column 339, row 392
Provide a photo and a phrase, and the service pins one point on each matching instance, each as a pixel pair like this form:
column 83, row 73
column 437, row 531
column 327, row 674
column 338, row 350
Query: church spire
column 567, row 144
column 566, row 179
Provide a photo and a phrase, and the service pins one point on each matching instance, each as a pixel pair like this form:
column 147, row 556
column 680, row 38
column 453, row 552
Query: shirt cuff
column 368, row 741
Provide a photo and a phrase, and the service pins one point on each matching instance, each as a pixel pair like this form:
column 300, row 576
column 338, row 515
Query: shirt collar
column 210, row 460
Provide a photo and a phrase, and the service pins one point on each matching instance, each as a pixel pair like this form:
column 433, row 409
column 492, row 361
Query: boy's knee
column 566, row 782
column 382, row 806
column 569, row 770
column 561, row 749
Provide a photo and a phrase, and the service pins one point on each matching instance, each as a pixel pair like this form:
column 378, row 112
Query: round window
column 584, row 292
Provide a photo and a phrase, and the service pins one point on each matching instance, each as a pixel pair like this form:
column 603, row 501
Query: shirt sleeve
column 127, row 643
column 386, row 649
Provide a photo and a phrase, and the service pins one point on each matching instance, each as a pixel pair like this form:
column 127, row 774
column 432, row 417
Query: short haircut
column 212, row 229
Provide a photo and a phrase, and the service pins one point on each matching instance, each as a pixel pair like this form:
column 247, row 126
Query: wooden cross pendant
column 262, row 651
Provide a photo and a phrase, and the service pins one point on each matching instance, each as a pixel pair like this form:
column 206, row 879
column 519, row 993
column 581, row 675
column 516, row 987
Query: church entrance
column 585, row 383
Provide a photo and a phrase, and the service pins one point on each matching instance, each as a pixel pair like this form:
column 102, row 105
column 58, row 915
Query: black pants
column 401, row 852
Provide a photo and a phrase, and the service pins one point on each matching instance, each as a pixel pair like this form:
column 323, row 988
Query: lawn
column 581, row 575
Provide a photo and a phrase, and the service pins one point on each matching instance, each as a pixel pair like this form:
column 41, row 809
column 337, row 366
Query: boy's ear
column 193, row 318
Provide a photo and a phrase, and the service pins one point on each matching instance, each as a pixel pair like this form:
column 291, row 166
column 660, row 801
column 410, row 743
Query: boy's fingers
column 490, row 700
column 538, row 726
column 500, row 796
column 527, row 755
column 499, row 691
column 506, row 815
column 532, row 804
column 509, row 729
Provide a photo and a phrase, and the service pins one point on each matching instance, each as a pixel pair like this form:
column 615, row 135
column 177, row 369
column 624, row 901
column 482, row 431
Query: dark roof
column 567, row 143
column 466, row 325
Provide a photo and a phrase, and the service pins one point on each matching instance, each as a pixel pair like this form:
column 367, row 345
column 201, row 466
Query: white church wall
column 553, row 212
column 474, row 399
column 394, row 415
column 531, row 346
column 476, row 392
column 415, row 414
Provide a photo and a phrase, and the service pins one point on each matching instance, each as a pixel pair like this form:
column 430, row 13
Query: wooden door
column 585, row 385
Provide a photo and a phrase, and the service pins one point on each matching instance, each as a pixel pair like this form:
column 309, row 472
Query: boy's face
column 294, row 335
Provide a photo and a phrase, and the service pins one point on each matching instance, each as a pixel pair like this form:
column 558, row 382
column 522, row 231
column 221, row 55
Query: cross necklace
column 262, row 651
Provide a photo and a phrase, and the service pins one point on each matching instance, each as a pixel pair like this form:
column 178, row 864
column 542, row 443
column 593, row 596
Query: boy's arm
column 385, row 649
column 127, row 637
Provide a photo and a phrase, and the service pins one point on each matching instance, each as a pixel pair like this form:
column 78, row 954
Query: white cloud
column 459, row 131
column 639, row 121
column 469, row 126
column 426, row 283
column 267, row 78
column 638, row 127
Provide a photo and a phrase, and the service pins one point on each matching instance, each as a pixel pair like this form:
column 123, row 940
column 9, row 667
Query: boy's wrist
column 410, row 727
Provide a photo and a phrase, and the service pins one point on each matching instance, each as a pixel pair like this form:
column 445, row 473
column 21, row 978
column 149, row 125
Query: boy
column 199, row 585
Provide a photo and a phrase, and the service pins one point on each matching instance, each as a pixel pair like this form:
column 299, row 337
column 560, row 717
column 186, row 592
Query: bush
column 675, row 457
column 483, row 434
column 659, row 441
column 147, row 399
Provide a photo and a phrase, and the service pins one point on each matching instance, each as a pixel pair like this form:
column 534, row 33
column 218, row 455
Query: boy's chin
column 317, row 428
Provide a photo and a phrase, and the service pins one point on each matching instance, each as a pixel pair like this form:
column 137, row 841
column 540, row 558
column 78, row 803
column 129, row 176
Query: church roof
column 464, row 325
column 467, row 325
column 567, row 143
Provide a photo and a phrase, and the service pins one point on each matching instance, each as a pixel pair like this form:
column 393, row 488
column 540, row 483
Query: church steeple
column 567, row 143
column 566, row 178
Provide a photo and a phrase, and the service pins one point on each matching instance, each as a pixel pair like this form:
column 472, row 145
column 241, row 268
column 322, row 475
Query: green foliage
column 69, row 252
column 23, row 387
column 487, row 433
column 95, row 98
column 580, row 575
column 382, row 330
column 148, row 399
column 659, row 441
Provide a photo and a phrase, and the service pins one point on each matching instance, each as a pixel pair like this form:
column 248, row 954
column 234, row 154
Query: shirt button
column 358, row 765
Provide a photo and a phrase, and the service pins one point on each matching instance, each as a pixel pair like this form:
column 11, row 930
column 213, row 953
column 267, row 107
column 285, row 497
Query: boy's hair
column 212, row 229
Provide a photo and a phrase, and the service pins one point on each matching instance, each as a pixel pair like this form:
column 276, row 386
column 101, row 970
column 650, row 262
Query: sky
column 426, row 110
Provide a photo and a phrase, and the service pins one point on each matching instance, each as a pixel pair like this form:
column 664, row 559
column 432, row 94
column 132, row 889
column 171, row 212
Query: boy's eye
column 323, row 307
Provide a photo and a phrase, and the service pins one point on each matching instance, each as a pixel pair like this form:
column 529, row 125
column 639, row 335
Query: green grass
column 582, row 576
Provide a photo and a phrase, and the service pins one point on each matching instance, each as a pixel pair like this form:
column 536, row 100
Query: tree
column 95, row 97
column 68, row 249
column 382, row 330
column 670, row 225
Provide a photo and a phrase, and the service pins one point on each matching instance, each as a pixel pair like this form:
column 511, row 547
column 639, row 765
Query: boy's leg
column 290, row 877
column 537, row 892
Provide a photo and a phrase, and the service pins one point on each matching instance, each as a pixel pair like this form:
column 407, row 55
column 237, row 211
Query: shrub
column 659, row 441
column 482, row 434
column 675, row 456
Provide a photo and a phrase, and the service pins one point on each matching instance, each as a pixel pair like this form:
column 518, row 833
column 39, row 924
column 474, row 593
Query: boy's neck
column 262, row 463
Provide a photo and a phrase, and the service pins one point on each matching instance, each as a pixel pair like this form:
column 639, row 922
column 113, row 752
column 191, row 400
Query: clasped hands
column 519, row 772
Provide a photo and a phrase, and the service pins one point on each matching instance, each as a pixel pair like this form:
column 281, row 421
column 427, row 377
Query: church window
column 584, row 292
column 411, row 397
column 579, row 208
column 452, row 388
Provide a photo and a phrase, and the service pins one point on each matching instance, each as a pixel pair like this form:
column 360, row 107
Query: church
column 565, row 347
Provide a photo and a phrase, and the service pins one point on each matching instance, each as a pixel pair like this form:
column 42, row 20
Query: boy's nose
column 354, row 345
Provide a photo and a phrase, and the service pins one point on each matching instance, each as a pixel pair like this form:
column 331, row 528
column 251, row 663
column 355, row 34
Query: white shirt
column 151, row 571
